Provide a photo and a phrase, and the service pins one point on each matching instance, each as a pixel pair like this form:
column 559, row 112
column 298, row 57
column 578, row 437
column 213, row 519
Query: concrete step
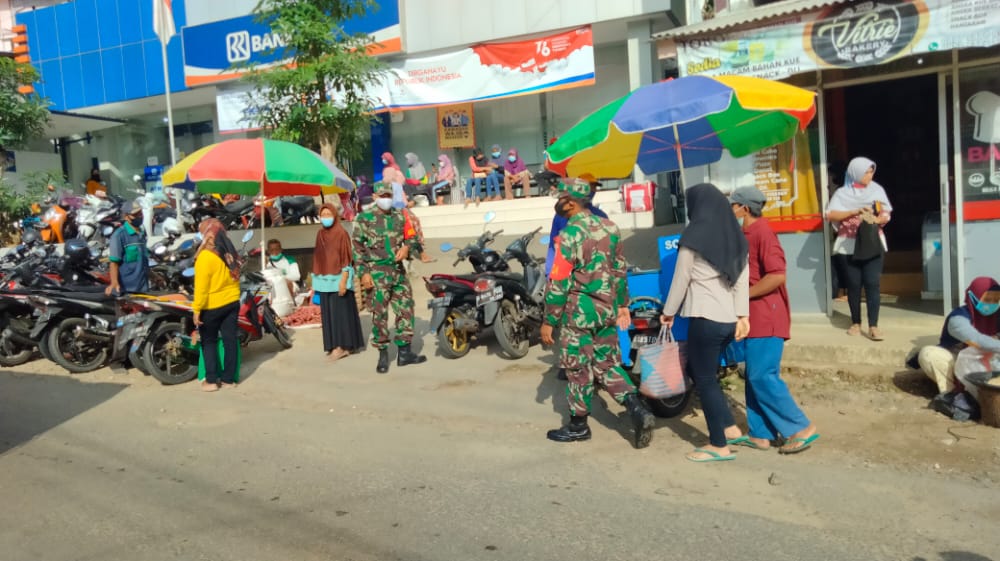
column 516, row 217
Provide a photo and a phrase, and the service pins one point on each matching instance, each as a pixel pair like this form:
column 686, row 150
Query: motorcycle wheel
column 165, row 358
column 43, row 346
column 513, row 342
column 136, row 360
column 277, row 328
column 13, row 353
column 73, row 354
column 451, row 342
column 670, row 407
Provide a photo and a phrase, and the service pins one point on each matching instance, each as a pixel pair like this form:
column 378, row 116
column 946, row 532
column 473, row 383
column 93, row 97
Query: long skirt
column 341, row 322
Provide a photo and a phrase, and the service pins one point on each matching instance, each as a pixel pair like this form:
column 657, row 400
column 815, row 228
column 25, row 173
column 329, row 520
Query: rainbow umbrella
column 682, row 122
column 257, row 166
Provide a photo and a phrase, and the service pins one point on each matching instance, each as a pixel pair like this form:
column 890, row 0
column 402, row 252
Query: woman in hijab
column 393, row 175
column 216, row 303
column 516, row 173
column 712, row 281
column 333, row 280
column 445, row 178
column 860, row 200
column 974, row 324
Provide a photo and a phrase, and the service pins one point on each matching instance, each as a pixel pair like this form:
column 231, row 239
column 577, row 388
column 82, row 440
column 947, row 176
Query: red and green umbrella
column 257, row 166
column 687, row 121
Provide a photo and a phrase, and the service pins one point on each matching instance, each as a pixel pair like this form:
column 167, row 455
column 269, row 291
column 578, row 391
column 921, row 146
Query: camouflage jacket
column 587, row 284
column 377, row 237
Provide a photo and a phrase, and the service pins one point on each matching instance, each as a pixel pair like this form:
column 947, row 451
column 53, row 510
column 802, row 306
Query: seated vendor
column 974, row 324
column 284, row 263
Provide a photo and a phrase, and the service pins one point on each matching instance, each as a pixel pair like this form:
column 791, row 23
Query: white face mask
column 384, row 203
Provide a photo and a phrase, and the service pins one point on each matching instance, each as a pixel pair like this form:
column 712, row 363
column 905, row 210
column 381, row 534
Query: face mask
column 740, row 221
column 496, row 154
column 136, row 221
column 385, row 162
column 384, row 203
column 983, row 308
column 278, row 257
column 512, row 159
column 326, row 222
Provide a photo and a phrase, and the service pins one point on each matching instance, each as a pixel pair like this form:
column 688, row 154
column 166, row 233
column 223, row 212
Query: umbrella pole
column 263, row 229
column 680, row 158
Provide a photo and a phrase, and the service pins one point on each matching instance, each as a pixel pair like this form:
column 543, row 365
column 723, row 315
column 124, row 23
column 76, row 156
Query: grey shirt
column 961, row 328
column 704, row 293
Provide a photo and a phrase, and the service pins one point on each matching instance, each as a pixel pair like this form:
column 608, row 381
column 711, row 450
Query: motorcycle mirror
column 446, row 247
column 107, row 231
column 489, row 217
column 197, row 237
column 186, row 245
column 248, row 236
column 188, row 273
column 544, row 240
column 152, row 263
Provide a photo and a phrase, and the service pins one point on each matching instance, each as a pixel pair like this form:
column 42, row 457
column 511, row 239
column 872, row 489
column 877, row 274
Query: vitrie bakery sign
column 843, row 36
column 867, row 33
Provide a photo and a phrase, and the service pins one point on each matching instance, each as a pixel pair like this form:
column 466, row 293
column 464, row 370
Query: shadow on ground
column 30, row 404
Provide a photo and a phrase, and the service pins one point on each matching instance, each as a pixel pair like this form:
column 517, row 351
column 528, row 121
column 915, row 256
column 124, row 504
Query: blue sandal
column 806, row 444
column 745, row 441
column 713, row 456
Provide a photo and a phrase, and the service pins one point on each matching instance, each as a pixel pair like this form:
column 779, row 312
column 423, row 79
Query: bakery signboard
column 843, row 36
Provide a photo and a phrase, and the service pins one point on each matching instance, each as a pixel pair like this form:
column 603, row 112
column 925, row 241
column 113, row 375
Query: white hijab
column 854, row 196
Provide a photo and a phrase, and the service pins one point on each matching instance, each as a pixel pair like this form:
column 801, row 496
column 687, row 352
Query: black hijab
column 713, row 232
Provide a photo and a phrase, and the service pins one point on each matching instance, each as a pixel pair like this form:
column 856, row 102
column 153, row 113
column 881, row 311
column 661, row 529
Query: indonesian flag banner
column 163, row 20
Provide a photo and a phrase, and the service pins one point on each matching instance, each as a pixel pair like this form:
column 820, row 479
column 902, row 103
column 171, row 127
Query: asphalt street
column 447, row 460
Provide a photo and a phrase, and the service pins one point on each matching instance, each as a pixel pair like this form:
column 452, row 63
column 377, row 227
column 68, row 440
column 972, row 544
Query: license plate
column 643, row 340
column 484, row 298
column 440, row 302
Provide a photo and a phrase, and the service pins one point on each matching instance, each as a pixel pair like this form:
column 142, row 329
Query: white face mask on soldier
column 384, row 203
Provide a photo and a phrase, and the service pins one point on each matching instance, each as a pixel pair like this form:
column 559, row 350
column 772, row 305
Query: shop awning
column 63, row 124
column 742, row 17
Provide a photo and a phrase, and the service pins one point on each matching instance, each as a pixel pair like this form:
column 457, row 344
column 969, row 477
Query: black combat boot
column 577, row 429
column 406, row 356
column 642, row 420
column 383, row 361
column 562, row 374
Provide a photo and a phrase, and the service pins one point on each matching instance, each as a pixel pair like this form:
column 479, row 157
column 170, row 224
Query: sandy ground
column 448, row 460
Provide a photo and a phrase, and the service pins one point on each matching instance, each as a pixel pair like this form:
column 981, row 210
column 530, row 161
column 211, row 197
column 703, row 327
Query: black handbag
column 868, row 244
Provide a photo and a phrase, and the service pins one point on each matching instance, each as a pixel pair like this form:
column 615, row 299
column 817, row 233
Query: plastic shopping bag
column 973, row 365
column 662, row 367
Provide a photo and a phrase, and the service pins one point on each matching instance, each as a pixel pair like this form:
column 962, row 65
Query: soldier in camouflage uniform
column 587, row 296
column 381, row 244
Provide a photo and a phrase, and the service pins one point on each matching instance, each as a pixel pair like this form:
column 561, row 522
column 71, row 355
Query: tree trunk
column 328, row 146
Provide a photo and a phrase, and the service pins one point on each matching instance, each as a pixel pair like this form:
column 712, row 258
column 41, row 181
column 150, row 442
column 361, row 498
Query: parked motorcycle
column 298, row 210
column 511, row 303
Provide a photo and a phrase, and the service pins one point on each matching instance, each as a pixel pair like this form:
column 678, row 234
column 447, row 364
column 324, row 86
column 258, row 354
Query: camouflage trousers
column 392, row 290
column 591, row 356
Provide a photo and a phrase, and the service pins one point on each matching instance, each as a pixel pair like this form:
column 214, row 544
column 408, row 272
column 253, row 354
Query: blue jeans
column 705, row 343
column 492, row 186
column 771, row 410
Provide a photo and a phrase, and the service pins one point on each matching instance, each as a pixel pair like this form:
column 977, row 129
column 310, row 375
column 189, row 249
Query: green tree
column 22, row 118
column 320, row 99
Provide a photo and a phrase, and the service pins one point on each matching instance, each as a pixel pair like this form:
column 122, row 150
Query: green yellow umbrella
column 272, row 168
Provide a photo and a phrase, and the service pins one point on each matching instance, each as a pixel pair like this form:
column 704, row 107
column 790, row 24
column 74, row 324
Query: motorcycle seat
column 510, row 276
column 299, row 203
column 470, row 277
column 75, row 294
column 238, row 207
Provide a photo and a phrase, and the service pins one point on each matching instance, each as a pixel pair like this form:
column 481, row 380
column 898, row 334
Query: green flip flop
column 745, row 441
column 806, row 444
column 713, row 456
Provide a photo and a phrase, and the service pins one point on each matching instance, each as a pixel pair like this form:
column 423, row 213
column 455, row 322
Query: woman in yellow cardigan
column 217, row 303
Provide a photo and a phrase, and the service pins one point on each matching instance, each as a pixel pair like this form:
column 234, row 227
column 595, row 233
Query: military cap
column 382, row 188
column 578, row 190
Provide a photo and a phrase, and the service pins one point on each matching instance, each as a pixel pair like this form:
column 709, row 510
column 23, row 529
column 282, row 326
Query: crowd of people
column 729, row 280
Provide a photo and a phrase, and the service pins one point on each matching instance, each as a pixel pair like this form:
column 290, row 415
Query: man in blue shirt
column 128, row 254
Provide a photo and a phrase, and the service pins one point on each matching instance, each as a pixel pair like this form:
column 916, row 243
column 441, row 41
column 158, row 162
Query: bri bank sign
column 211, row 50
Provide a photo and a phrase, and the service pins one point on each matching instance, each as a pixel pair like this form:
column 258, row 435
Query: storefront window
column 979, row 120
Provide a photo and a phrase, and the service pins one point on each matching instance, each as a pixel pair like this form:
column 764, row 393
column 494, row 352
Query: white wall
column 27, row 162
column 470, row 22
column 516, row 122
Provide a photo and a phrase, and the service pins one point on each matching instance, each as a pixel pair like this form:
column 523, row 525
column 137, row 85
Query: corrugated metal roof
column 743, row 17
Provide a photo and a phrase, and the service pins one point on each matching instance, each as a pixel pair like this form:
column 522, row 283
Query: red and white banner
column 495, row 70
column 163, row 20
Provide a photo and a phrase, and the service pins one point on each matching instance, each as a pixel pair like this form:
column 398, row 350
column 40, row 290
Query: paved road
column 443, row 461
